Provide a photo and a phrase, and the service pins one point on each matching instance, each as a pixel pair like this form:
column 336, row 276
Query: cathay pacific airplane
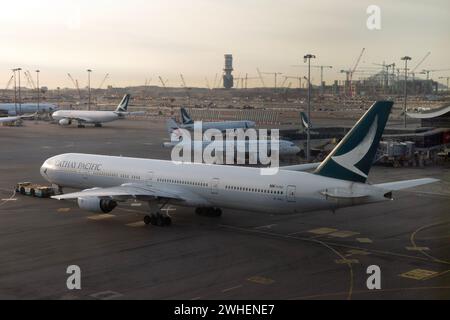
column 188, row 123
column 66, row 117
column 338, row 182
column 285, row 147
column 14, row 109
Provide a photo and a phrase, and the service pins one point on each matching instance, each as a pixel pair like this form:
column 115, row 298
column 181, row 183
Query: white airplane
column 13, row 109
column 337, row 182
column 188, row 123
column 66, row 117
column 14, row 119
column 286, row 148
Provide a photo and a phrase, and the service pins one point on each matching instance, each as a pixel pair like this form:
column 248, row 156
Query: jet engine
column 65, row 122
column 97, row 205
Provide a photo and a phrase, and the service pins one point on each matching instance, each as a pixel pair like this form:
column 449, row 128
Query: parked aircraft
column 285, row 147
column 67, row 117
column 188, row 123
column 338, row 182
column 14, row 109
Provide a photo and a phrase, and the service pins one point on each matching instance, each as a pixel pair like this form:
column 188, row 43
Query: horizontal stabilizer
column 302, row 167
column 343, row 193
column 400, row 185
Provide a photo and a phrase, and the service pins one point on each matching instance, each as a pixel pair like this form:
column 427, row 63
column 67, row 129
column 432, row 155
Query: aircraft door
column 291, row 192
column 215, row 186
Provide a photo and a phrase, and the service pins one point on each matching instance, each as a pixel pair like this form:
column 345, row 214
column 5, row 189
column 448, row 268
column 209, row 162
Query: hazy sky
column 138, row 39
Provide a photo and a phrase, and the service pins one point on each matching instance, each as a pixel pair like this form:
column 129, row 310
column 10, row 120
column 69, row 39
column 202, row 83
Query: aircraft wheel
column 147, row 220
column 98, row 125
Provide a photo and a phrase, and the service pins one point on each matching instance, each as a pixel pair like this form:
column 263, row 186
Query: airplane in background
column 339, row 181
column 286, row 148
column 188, row 123
column 14, row 109
column 66, row 117
column 14, row 119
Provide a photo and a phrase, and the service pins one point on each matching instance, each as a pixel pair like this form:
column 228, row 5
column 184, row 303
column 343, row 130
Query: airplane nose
column 44, row 170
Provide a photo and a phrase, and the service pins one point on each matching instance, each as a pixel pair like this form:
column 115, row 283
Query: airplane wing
column 123, row 192
column 302, row 167
column 400, row 185
column 78, row 119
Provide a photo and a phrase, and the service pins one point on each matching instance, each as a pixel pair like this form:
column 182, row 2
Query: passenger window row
column 184, row 182
column 257, row 190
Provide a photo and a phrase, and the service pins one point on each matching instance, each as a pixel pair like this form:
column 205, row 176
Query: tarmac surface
column 241, row 255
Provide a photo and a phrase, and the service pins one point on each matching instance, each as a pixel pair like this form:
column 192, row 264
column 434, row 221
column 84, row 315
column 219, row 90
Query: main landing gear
column 156, row 217
column 98, row 125
column 209, row 212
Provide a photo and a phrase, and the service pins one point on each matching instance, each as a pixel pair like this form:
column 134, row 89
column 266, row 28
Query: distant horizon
column 143, row 40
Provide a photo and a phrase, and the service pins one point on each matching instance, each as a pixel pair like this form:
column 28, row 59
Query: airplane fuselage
column 12, row 109
column 241, row 188
column 222, row 125
column 94, row 117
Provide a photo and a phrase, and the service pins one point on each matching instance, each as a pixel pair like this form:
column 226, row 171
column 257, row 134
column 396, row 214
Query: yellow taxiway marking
column 231, row 289
column 347, row 261
column 138, row 224
column 417, row 248
column 261, row 280
column 64, row 210
column 322, row 231
column 106, row 295
column 364, row 240
column 101, row 217
column 419, row 274
column 357, row 252
column 343, row 234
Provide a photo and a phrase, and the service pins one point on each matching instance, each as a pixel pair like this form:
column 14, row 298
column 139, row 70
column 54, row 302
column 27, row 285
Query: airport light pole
column 38, row 90
column 20, row 92
column 15, row 90
column 307, row 58
column 406, row 59
column 89, row 87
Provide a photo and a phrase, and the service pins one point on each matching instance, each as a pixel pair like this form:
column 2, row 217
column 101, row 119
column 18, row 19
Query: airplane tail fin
column 123, row 105
column 185, row 117
column 353, row 157
column 304, row 120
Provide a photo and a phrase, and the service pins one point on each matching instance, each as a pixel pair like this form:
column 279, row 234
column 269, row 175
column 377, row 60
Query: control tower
column 228, row 79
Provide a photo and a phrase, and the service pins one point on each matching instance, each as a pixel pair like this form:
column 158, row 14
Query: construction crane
column 162, row 82
column 103, row 81
column 183, row 82
column 413, row 71
column 427, row 72
column 261, row 78
column 322, row 71
column 75, row 83
column 30, row 79
column 275, row 74
column 349, row 73
column 298, row 78
column 8, row 84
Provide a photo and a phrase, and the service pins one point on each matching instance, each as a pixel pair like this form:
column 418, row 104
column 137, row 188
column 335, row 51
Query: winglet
column 353, row 157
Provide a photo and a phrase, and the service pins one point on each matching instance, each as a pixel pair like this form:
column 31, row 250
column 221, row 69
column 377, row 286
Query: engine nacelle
column 65, row 122
column 97, row 205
